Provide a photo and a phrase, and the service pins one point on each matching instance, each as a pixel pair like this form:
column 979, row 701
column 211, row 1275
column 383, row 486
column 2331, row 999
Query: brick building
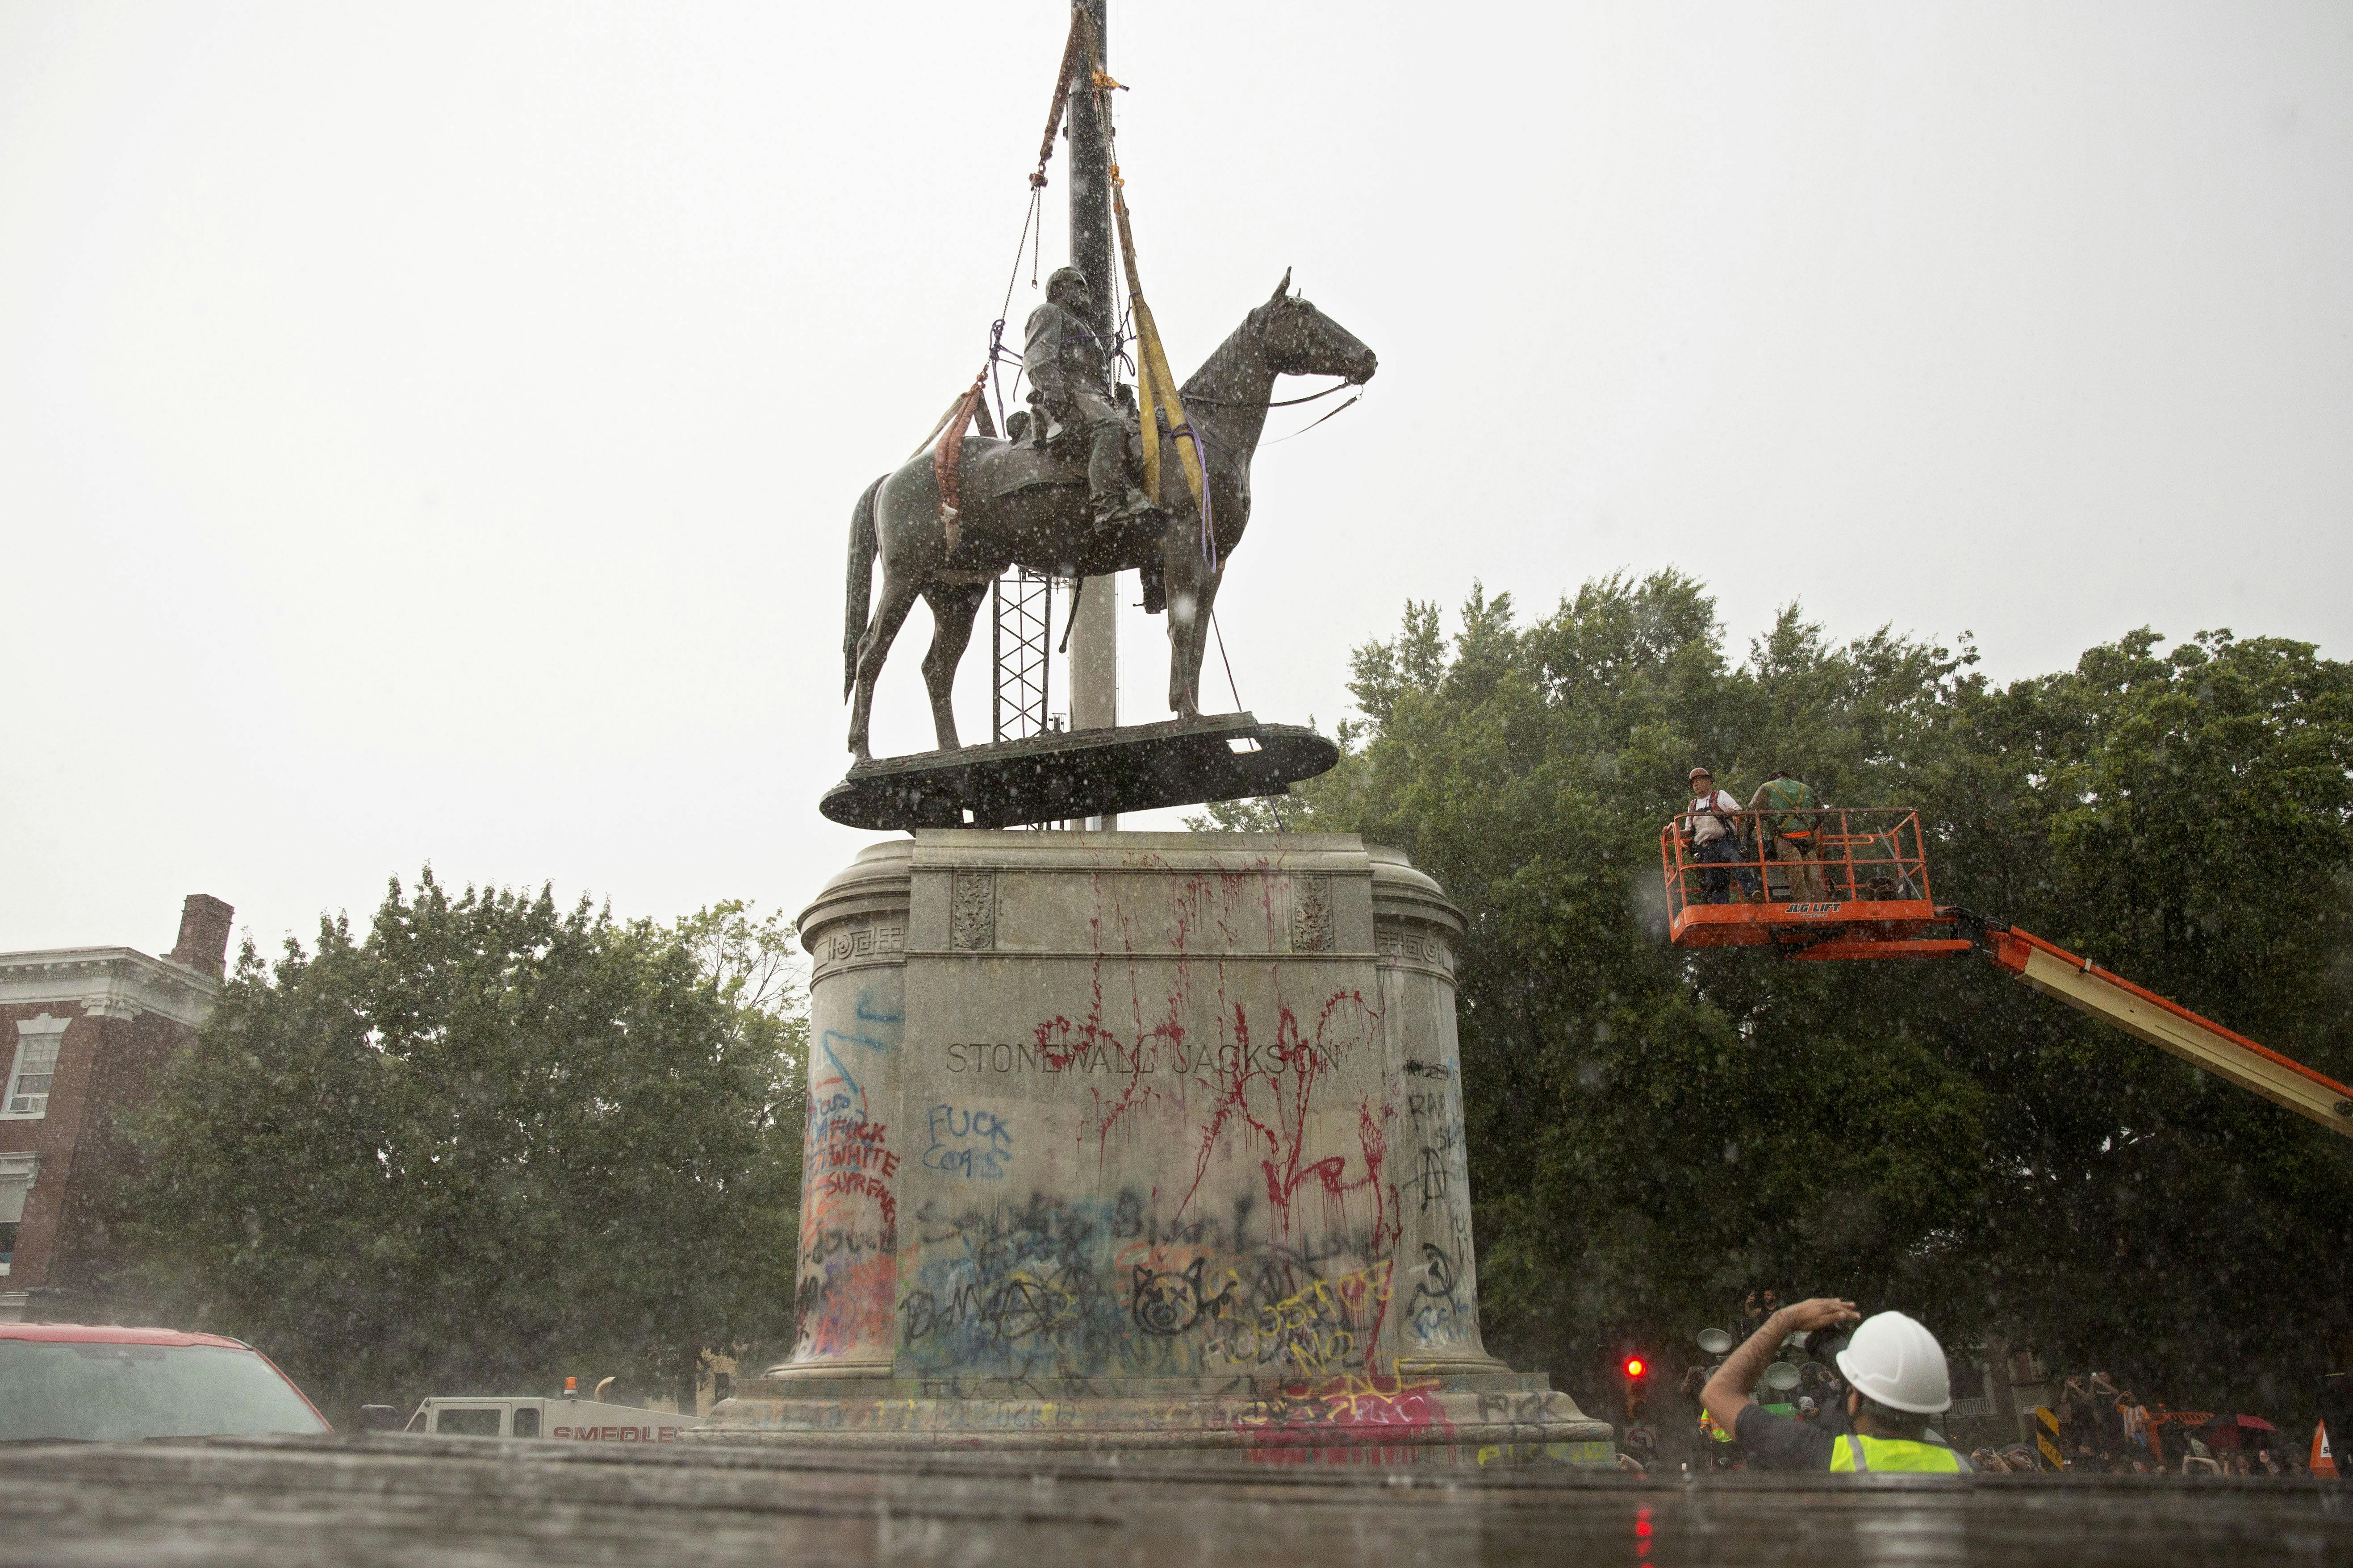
column 83, row 1034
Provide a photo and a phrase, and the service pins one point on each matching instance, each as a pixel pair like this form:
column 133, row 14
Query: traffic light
column 1634, row 1376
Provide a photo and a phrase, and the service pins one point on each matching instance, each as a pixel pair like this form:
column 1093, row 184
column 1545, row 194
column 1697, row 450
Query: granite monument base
column 1141, row 1140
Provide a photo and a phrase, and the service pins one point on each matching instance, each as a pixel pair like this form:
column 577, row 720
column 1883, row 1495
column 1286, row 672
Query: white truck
column 560, row 1419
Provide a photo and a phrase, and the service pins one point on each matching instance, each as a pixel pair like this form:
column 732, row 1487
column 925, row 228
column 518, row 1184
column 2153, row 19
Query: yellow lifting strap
column 1156, row 383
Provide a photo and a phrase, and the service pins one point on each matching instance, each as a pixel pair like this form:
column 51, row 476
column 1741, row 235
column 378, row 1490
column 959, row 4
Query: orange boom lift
column 1870, row 870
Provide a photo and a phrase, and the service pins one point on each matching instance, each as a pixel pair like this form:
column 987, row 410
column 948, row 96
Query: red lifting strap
column 948, row 455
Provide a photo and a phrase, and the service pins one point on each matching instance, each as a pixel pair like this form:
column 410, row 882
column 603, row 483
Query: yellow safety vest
column 1857, row 1455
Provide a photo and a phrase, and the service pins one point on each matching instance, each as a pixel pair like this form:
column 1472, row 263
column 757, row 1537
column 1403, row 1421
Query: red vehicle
column 77, row 1382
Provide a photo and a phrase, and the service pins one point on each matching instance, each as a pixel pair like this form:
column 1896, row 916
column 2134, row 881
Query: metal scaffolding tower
column 1021, row 618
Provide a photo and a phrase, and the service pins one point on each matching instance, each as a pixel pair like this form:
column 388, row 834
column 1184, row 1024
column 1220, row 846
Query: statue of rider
column 1069, row 379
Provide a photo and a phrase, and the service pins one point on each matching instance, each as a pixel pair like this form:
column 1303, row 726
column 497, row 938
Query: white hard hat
column 1897, row 1363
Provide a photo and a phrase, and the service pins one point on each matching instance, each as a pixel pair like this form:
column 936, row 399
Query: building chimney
column 204, row 934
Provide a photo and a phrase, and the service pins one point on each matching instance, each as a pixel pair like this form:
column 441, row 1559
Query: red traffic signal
column 1635, row 1367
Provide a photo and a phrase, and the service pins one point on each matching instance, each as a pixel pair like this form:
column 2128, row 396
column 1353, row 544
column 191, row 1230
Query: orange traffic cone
column 2324, row 1462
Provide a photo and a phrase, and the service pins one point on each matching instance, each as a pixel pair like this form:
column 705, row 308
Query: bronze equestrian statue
column 1071, row 383
column 1073, row 514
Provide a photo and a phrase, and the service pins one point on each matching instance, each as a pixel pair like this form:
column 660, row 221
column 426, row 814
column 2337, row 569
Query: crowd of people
column 2102, row 1429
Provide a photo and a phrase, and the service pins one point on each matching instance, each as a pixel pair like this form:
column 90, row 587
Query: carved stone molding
column 108, row 982
column 1404, row 942
column 879, row 940
column 972, row 912
column 1311, row 914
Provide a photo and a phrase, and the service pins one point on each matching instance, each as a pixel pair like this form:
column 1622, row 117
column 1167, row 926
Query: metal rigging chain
column 1273, row 803
column 1079, row 45
column 1123, row 333
column 1005, row 310
column 1311, row 424
column 1282, row 403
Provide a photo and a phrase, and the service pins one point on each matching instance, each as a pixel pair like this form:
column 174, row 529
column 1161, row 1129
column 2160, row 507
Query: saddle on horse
column 992, row 470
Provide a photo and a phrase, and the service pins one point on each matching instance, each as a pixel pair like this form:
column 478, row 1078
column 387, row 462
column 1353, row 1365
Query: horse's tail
column 862, row 547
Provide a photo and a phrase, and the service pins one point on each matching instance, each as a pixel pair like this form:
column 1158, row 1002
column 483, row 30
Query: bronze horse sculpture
column 1021, row 505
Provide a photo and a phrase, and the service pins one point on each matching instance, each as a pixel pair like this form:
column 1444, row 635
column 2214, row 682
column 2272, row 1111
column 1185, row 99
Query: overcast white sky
column 429, row 432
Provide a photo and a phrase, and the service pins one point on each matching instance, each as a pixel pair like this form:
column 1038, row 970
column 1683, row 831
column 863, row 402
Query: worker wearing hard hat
column 1895, row 1377
column 1711, row 825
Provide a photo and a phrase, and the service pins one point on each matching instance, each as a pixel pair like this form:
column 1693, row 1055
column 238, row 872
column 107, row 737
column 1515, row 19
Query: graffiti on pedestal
column 1203, row 1262
column 1341, row 1420
column 1326, row 1327
column 1166, row 1304
column 1440, row 1170
column 1434, row 1309
column 1443, row 1307
column 974, row 1145
column 849, row 1220
column 1059, row 1287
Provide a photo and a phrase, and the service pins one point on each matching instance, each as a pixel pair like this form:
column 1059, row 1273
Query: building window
column 16, row 1174
column 35, row 1064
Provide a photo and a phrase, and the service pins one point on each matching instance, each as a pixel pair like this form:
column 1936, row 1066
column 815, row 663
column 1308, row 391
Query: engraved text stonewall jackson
column 1224, row 1061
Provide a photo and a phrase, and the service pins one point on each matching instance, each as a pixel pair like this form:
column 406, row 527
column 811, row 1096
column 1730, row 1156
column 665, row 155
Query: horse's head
column 1300, row 340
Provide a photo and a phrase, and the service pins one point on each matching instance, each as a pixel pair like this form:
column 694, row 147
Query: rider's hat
column 1697, row 773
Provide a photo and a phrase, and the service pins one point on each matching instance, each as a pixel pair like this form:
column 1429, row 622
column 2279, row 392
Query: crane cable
column 1157, row 390
column 948, row 455
column 1157, row 384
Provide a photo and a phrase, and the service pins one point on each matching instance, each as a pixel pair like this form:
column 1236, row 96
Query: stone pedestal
column 1141, row 1140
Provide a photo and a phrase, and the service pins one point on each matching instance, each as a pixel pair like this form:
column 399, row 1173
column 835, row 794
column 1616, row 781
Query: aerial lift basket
column 1837, row 883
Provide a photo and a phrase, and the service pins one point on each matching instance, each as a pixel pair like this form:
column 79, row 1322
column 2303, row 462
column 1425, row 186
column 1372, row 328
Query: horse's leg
column 954, row 607
column 1183, row 572
column 1197, row 646
column 898, row 598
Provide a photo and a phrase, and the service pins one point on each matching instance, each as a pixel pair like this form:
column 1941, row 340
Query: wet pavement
column 489, row 1501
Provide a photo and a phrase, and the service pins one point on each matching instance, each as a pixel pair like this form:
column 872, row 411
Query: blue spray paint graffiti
column 1072, row 1288
column 974, row 1145
column 839, row 1093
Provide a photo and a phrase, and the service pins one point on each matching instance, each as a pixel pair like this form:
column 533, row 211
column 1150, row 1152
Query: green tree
column 491, row 1143
column 1655, row 1130
column 2184, row 818
column 754, row 961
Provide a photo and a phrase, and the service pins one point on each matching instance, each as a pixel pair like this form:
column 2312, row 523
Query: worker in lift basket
column 1787, row 818
column 1711, row 825
column 1896, row 1379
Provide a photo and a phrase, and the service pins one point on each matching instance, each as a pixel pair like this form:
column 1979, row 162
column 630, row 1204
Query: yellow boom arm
column 2168, row 1026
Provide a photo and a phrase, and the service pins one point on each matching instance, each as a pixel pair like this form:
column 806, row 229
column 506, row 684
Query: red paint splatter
column 1297, row 1061
column 1300, row 1424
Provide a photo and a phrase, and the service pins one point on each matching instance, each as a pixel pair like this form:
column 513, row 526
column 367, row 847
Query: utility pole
column 1095, row 630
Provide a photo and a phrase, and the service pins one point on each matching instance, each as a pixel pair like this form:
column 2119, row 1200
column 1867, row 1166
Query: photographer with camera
column 1895, row 1376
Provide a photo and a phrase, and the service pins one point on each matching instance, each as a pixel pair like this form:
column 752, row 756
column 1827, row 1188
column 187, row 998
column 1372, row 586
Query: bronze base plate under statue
column 1076, row 773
